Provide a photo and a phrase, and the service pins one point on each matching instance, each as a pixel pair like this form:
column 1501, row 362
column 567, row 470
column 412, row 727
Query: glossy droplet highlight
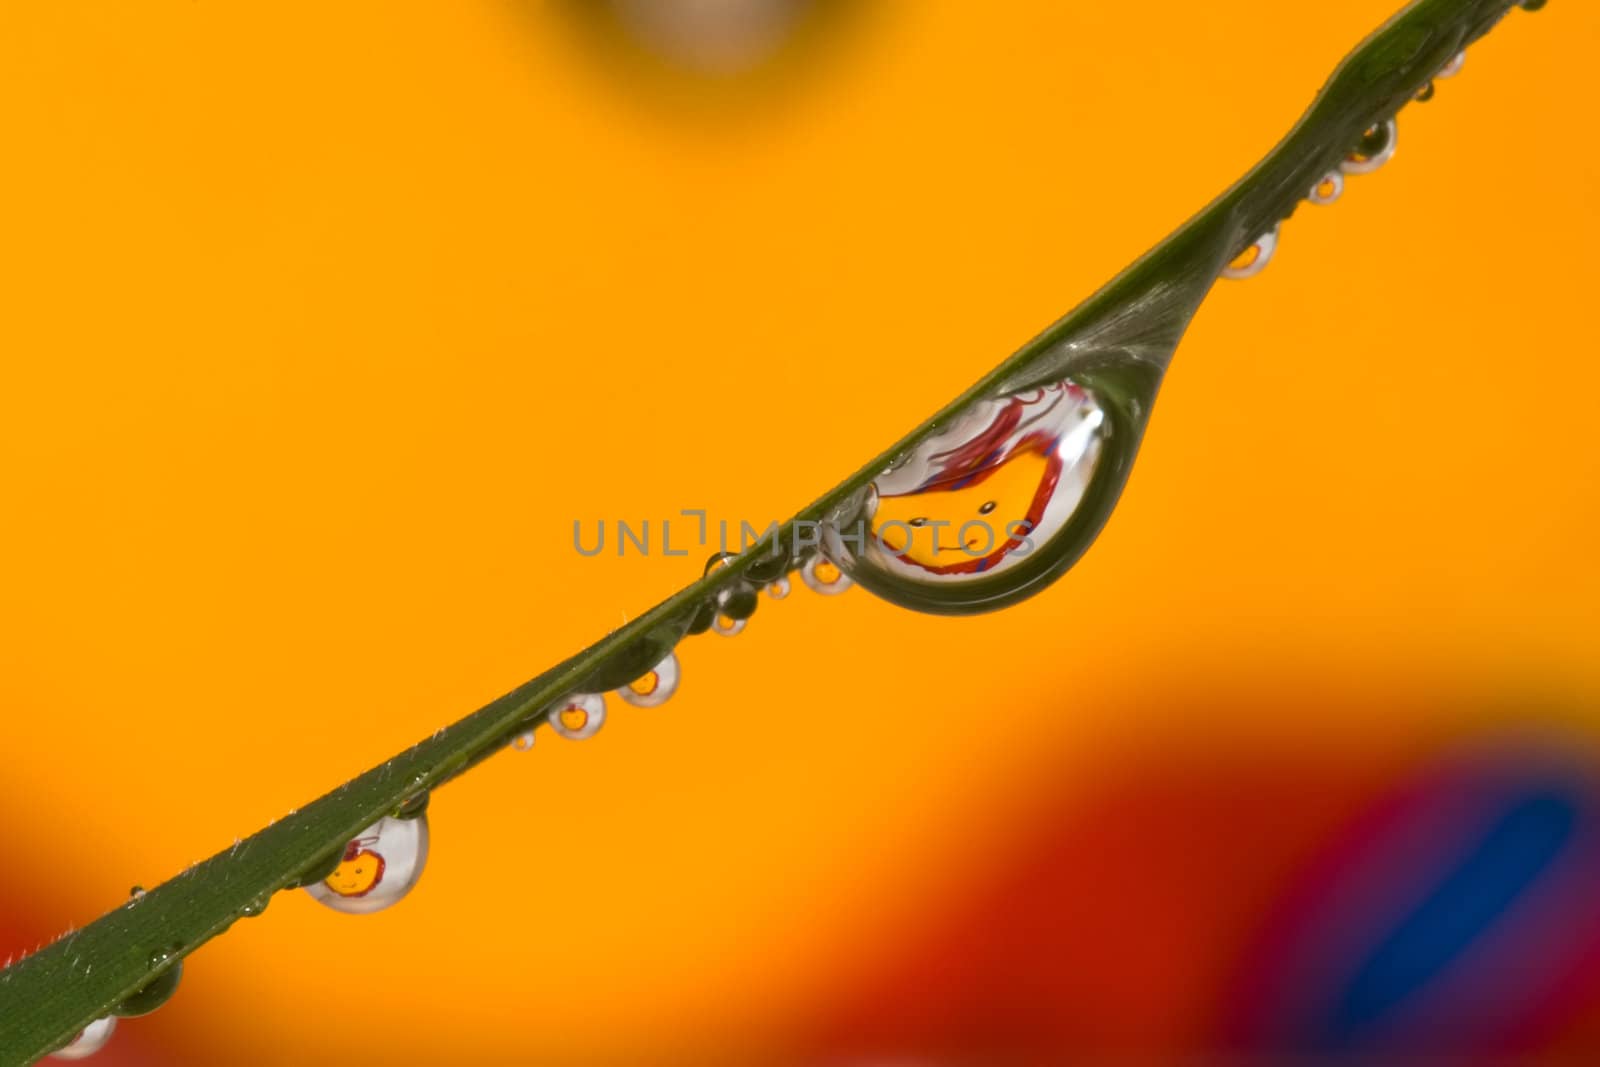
column 1253, row 260
column 655, row 686
column 90, row 1039
column 822, row 575
column 1377, row 148
column 982, row 513
column 779, row 589
column 1452, row 68
column 1328, row 190
column 580, row 717
column 728, row 626
column 377, row 868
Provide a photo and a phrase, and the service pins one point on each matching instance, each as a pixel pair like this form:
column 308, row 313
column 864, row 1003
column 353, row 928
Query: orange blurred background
column 323, row 323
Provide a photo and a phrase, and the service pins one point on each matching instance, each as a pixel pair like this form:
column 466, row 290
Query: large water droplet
column 90, row 1039
column 653, row 687
column 1328, row 189
column 1377, row 147
column 153, row 994
column 987, row 511
column 822, row 575
column 1253, row 260
column 378, row 868
column 579, row 717
column 1452, row 68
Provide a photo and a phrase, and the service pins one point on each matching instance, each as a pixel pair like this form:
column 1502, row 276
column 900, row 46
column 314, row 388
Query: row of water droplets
column 1376, row 148
column 1007, row 478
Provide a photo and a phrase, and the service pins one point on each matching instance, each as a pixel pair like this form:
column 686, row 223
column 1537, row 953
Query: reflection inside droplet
column 90, row 1039
column 579, row 717
column 1328, row 189
column 778, row 589
column 728, row 626
column 977, row 502
column 655, row 686
column 821, row 575
column 1377, row 147
column 1253, row 260
column 379, row 867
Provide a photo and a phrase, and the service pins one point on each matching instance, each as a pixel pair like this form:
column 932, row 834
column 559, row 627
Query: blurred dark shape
column 1457, row 915
column 1343, row 907
column 714, row 40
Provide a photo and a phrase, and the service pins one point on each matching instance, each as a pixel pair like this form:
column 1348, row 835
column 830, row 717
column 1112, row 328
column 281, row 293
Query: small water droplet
column 1328, row 190
column 379, row 867
column 1452, row 68
column 155, row 992
column 413, row 805
column 779, row 589
column 90, row 1039
column 1253, row 260
column 739, row 603
column 728, row 626
column 1426, row 93
column 579, row 717
column 718, row 561
column 136, row 893
column 1533, row 5
column 822, row 575
column 256, row 906
column 704, row 616
column 1377, row 147
column 655, row 686
column 523, row 741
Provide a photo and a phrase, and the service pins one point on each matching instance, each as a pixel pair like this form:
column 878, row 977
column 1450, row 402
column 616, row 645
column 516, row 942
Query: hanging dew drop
column 1253, row 260
column 982, row 514
column 1328, row 190
column 523, row 741
column 728, row 626
column 155, row 993
column 580, row 717
column 1426, row 93
column 90, row 1039
column 655, row 686
column 1452, row 68
column 779, row 589
column 822, row 575
column 377, row 868
column 1377, row 147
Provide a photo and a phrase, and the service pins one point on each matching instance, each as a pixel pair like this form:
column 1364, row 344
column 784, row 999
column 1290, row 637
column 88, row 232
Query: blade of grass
column 1137, row 318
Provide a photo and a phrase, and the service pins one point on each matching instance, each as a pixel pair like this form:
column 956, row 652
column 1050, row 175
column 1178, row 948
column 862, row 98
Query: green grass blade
column 1133, row 322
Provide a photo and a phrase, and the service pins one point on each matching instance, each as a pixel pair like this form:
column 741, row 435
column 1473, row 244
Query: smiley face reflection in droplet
column 378, row 868
column 980, row 497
